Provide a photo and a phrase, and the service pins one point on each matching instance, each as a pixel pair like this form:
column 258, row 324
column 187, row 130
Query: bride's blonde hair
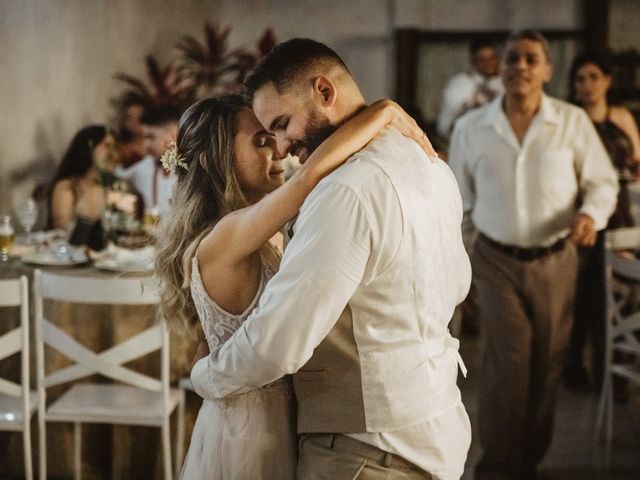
column 206, row 190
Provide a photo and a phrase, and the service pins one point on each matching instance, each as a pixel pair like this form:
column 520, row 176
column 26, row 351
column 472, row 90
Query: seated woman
column 77, row 191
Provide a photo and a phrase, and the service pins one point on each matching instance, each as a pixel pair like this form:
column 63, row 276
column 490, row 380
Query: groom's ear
column 325, row 91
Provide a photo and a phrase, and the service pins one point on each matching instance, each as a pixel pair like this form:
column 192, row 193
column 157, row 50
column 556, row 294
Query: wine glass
column 27, row 215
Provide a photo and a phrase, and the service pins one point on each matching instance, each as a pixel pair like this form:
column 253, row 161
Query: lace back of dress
column 218, row 325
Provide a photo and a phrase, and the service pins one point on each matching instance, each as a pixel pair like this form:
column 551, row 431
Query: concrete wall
column 488, row 14
column 624, row 24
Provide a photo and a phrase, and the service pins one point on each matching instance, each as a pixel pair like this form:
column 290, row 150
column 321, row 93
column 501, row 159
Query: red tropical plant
column 163, row 85
column 211, row 67
column 200, row 70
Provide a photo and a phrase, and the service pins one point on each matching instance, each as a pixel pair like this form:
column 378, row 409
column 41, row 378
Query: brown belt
column 356, row 447
column 524, row 254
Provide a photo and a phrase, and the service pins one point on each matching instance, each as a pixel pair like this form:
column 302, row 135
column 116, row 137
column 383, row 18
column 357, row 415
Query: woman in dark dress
column 591, row 78
column 77, row 194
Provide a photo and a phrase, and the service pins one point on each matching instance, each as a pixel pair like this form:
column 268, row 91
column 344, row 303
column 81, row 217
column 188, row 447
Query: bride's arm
column 244, row 231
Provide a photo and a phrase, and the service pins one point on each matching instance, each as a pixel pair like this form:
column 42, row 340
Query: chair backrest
column 623, row 239
column 622, row 272
column 115, row 290
column 15, row 293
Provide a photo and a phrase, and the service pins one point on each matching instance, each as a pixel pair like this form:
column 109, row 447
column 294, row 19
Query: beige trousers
column 526, row 313
column 336, row 457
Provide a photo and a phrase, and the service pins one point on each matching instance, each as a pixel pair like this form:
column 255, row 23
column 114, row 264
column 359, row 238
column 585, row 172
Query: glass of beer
column 6, row 237
column 151, row 217
column 150, row 220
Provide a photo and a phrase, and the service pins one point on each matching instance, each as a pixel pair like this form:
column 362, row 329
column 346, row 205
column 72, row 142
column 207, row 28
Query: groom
column 359, row 309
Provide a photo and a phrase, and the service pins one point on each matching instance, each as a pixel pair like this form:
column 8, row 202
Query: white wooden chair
column 622, row 327
column 134, row 398
column 627, row 238
column 17, row 401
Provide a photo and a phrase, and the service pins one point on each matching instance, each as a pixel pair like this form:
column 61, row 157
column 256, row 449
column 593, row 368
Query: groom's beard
column 317, row 131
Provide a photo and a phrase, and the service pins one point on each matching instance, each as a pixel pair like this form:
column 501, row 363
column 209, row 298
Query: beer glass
column 6, row 237
column 150, row 221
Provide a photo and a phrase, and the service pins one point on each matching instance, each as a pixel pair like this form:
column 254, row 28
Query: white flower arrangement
column 171, row 159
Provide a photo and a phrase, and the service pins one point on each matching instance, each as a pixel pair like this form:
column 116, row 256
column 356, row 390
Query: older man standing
column 535, row 182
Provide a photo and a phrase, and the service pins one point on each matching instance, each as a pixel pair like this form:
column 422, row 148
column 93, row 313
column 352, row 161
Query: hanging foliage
column 211, row 67
column 162, row 85
column 200, row 69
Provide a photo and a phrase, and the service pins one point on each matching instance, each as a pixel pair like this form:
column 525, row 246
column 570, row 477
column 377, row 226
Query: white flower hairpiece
column 171, row 159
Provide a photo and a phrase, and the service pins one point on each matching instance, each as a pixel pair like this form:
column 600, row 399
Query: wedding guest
column 215, row 257
column 129, row 107
column 467, row 90
column 522, row 162
column 591, row 78
column 131, row 114
column 77, row 189
column 131, row 147
column 360, row 306
column 152, row 182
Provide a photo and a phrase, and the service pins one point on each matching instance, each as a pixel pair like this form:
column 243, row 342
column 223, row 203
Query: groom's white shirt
column 382, row 236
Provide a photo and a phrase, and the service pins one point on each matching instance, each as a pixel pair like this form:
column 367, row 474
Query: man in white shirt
column 367, row 286
column 151, row 181
column 467, row 90
column 535, row 182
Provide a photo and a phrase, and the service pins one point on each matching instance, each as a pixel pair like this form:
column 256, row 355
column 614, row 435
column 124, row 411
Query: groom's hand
column 203, row 351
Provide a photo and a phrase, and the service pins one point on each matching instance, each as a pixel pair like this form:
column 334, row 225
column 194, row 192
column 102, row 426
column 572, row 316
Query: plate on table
column 50, row 259
column 133, row 240
column 113, row 265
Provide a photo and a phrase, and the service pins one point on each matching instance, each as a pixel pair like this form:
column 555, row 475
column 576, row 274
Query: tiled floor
column 573, row 455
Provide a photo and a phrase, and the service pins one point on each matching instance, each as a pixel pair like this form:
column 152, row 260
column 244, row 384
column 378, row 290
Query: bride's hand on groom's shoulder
column 201, row 352
column 406, row 124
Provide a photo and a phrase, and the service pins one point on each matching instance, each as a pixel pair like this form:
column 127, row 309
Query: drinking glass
column 151, row 220
column 109, row 225
column 27, row 215
column 6, row 237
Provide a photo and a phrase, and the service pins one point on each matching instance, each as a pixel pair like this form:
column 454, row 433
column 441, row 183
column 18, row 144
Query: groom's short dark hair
column 287, row 61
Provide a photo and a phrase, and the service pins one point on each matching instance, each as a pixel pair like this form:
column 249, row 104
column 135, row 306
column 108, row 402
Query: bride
column 215, row 257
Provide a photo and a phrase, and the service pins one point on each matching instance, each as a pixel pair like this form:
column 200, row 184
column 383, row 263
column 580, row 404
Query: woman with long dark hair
column 76, row 189
column 591, row 79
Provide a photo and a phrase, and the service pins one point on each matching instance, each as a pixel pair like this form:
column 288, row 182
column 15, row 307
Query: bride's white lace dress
column 247, row 436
